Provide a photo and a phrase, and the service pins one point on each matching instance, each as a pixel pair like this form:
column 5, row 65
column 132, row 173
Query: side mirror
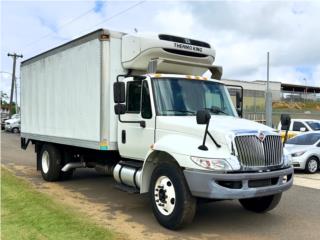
column 303, row 129
column 285, row 125
column 119, row 93
column 120, row 109
column 203, row 117
column 239, row 104
column 285, row 121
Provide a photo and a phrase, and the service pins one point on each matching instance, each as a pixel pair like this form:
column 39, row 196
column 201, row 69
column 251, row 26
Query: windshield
column 14, row 116
column 180, row 97
column 314, row 125
column 305, row 139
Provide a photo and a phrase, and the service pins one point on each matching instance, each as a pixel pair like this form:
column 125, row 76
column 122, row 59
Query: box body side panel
column 60, row 94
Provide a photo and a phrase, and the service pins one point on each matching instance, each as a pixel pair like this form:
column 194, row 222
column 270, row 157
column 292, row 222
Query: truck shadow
column 226, row 218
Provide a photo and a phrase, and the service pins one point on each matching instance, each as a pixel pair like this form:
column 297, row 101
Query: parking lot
column 296, row 217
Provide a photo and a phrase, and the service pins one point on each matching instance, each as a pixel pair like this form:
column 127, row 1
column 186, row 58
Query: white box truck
column 138, row 108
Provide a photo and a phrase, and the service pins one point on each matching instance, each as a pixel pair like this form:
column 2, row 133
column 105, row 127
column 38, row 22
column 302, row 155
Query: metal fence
column 299, row 97
column 254, row 105
column 260, row 116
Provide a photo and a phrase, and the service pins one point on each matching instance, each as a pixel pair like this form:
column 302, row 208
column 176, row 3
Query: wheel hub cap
column 164, row 195
column 313, row 165
column 45, row 162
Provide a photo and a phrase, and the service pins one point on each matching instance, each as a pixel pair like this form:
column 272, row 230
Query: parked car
column 4, row 117
column 13, row 124
column 305, row 151
column 299, row 126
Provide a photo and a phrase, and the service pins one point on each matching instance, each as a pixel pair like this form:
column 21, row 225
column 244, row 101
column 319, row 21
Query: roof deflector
column 155, row 64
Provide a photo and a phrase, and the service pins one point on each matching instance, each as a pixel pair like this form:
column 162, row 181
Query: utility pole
column 268, row 98
column 16, row 95
column 14, row 56
column 305, row 90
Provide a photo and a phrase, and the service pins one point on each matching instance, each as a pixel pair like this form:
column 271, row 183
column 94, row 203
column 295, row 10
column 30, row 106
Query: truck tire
column 172, row 203
column 312, row 165
column 50, row 159
column 261, row 204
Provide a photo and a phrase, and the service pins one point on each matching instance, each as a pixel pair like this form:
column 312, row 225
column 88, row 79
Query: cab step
column 126, row 188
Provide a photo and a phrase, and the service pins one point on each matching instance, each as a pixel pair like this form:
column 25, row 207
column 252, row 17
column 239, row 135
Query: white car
column 13, row 124
column 305, row 151
column 299, row 126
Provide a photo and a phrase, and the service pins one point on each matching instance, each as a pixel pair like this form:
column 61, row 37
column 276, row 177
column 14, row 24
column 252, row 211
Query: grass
column 28, row 214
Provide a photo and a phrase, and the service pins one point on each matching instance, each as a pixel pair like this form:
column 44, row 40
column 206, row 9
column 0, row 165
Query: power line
column 118, row 14
column 62, row 26
column 84, row 14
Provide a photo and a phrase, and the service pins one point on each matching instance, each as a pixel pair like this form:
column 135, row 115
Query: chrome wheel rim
column 312, row 165
column 164, row 195
column 45, row 162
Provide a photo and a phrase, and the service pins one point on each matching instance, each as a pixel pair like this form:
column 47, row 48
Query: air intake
column 185, row 53
column 183, row 40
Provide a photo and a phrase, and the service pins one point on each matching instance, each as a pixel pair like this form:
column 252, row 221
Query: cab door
column 135, row 139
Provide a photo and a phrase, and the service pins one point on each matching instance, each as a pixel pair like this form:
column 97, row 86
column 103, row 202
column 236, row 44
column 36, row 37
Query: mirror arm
column 285, row 137
column 203, row 146
column 213, row 140
column 241, row 103
column 142, row 123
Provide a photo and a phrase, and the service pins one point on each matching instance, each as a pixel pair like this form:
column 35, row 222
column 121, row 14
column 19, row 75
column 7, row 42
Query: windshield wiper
column 216, row 110
column 181, row 111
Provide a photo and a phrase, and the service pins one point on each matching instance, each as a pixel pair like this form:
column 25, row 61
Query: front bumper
column 7, row 127
column 238, row 185
column 299, row 162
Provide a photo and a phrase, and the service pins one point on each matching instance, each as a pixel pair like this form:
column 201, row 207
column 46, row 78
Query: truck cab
column 192, row 142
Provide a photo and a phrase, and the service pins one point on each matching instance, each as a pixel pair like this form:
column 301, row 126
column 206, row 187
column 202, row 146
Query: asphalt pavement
column 296, row 217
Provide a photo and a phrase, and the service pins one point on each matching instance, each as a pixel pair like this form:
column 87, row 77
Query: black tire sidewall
column 174, row 173
column 15, row 130
column 54, row 163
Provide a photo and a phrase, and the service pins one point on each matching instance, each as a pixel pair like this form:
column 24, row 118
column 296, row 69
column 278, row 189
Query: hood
column 13, row 120
column 218, row 124
column 292, row 148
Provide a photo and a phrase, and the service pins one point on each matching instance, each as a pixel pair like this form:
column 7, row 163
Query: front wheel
column 15, row 130
column 261, row 204
column 172, row 203
column 312, row 165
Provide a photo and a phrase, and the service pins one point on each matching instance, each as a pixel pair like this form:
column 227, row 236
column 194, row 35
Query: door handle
column 123, row 136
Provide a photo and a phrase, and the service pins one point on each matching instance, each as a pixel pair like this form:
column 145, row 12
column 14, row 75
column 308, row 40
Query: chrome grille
column 255, row 153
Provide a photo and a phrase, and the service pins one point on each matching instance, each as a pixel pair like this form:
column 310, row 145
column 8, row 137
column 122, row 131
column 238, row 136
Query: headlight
column 287, row 160
column 297, row 154
column 212, row 163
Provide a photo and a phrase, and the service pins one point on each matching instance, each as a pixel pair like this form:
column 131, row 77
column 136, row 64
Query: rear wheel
column 172, row 203
column 261, row 204
column 50, row 158
column 312, row 165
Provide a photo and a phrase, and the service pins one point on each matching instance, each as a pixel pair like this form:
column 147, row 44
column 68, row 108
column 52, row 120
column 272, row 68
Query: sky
column 242, row 32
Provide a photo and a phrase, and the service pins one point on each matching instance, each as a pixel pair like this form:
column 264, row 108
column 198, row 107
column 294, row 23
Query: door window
column 298, row 125
column 133, row 96
column 146, row 111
